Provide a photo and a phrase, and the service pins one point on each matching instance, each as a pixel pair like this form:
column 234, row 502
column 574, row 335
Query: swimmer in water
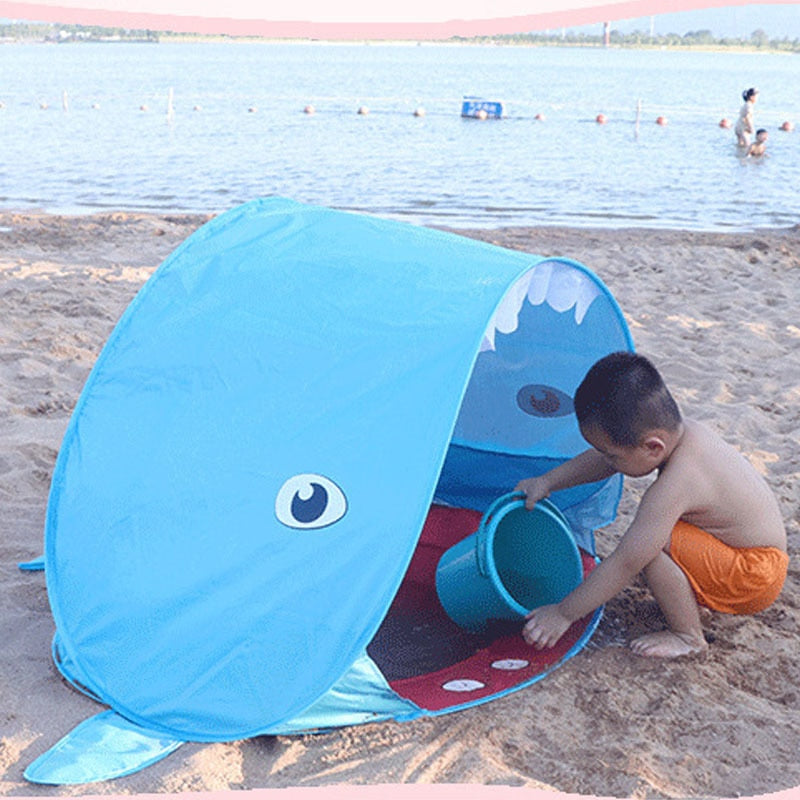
column 759, row 147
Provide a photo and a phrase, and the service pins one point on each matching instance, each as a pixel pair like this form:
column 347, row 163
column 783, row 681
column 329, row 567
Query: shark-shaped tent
column 298, row 413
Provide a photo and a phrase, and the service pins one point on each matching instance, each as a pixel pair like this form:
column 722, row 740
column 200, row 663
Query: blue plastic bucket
column 517, row 560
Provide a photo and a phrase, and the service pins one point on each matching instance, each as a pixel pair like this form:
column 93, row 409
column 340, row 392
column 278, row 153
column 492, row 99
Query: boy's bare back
column 720, row 491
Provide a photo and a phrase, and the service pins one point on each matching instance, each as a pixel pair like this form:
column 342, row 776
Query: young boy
column 759, row 146
column 708, row 530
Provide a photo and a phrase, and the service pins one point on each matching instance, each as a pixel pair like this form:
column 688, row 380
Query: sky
column 342, row 11
column 732, row 21
column 416, row 19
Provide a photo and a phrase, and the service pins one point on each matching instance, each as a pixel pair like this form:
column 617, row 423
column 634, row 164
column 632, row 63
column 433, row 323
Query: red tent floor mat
column 430, row 660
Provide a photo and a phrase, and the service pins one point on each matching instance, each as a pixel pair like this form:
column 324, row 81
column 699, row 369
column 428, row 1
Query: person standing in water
column 744, row 125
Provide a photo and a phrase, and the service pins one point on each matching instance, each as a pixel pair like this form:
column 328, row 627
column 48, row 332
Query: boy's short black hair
column 761, row 130
column 624, row 396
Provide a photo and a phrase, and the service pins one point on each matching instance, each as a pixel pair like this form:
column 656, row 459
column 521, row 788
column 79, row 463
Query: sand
column 719, row 315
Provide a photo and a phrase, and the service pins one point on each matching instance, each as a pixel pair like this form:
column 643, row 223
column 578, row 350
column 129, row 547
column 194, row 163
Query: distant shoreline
column 181, row 38
column 184, row 39
column 36, row 218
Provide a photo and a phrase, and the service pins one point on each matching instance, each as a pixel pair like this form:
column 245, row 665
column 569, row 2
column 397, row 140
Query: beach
column 717, row 313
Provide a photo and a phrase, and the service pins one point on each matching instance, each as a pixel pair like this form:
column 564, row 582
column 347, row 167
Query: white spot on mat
column 510, row 663
column 462, row 685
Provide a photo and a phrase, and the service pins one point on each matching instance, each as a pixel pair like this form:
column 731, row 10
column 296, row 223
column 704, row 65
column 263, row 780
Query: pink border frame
column 206, row 20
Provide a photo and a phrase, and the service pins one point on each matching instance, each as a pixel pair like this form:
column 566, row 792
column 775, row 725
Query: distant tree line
column 53, row 32
column 758, row 40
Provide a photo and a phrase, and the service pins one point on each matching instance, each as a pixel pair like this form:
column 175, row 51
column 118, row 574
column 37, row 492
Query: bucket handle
column 480, row 549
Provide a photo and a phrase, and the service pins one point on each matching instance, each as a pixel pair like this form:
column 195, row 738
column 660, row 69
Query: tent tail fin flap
column 101, row 748
column 34, row 565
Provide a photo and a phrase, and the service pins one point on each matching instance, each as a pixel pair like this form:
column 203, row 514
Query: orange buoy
column 661, row 120
column 419, row 112
column 252, row 110
column 601, row 119
column 363, row 111
column 197, row 108
column 787, row 126
column 309, row 109
column 540, row 117
column 724, row 123
column 143, row 108
column 482, row 114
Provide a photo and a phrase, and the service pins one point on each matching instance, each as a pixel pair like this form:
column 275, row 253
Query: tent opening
column 516, row 420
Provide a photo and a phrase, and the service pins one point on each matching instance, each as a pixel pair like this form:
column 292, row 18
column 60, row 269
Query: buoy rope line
column 389, row 105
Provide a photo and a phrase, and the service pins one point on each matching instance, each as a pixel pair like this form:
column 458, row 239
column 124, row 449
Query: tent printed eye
column 298, row 414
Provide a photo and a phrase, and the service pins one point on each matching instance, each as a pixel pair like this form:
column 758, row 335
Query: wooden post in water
column 64, row 101
column 606, row 34
column 638, row 115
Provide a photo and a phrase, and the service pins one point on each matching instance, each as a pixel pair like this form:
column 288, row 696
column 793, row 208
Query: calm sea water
column 213, row 152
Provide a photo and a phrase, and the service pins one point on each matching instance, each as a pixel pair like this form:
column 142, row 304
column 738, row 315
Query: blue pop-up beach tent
column 291, row 401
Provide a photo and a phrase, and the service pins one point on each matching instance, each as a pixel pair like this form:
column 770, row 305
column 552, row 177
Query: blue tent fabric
column 34, row 565
column 250, row 463
column 360, row 695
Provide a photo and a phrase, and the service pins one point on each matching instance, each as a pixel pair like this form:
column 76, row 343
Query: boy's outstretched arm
column 545, row 625
column 587, row 467
column 643, row 541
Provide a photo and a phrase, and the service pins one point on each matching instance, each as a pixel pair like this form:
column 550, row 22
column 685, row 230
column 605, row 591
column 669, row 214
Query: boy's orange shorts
column 738, row 580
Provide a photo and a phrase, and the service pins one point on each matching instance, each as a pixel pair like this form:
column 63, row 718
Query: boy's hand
column 535, row 489
column 545, row 626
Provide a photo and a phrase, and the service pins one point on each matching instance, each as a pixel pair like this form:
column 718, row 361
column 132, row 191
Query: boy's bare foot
column 667, row 644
